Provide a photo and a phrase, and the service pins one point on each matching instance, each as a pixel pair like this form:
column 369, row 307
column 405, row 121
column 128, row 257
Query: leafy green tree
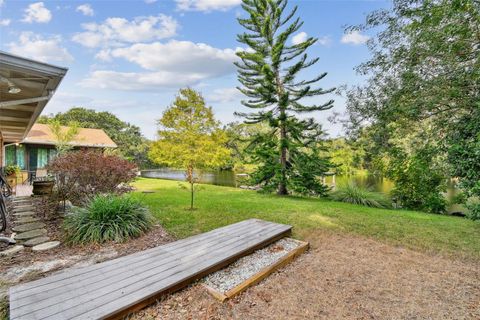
column 131, row 144
column 464, row 152
column 63, row 135
column 190, row 138
column 423, row 76
column 269, row 73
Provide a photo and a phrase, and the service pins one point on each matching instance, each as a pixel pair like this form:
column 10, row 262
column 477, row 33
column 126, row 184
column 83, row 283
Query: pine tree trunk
column 282, row 186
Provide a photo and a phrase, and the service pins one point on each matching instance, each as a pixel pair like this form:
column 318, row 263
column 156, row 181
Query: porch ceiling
column 37, row 82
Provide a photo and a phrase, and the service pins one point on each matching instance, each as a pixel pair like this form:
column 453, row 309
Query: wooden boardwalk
column 116, row 287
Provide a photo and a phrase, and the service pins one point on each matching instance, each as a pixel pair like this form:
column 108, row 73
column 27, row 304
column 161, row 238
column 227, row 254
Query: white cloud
column 45, row 49
column 324, row 41
column 206, row 5
column 354, row 37
column 36, row 12
column 179, row 56
column 299, row 38
column 224, row 95
column 85, row 9
column 2, row 2
column 139, row 81
column 115, row 31
column 171, row 64
column 5, row 22
column 150, row 1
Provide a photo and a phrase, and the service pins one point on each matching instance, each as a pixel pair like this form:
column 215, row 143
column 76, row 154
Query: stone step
column 11, row 250
column 22, row 201
column 23, row 208
column 26, row 219
column 35, row 241
column 22, row 198
column 24, row 214
column 29, row 227
column 46, row 246
column 31, row 234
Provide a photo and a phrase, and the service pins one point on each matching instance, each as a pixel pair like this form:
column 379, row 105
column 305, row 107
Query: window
column 21, row 156
column 15, row 155
column 42, row 157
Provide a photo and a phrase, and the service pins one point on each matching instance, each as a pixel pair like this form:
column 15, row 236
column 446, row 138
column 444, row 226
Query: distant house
column 38, row 147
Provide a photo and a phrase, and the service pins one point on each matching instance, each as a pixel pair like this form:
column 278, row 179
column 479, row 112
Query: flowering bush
column 80, row 175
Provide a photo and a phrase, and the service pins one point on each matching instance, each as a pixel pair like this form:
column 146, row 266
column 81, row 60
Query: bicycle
column 3, row 213
column 5, row 188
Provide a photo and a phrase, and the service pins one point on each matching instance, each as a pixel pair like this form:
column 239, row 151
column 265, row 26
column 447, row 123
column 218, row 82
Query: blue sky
column 131, row 57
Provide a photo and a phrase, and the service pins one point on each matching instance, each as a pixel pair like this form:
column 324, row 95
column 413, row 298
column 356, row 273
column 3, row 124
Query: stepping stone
column 11, row 251
column 23, row 208
column 35, row 241
column 26, row 219
column 24, row 214
column 29, row 227
column 31, row 234
column 46, row 246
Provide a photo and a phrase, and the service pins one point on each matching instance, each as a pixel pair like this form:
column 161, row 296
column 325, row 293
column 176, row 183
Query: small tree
column 190, row 138
column 63, row 135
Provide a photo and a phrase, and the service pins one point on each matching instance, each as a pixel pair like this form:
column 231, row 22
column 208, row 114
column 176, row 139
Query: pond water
column 232, row 179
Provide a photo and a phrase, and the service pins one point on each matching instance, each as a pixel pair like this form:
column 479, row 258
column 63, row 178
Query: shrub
column 419, row 180
column 107, row 218
column 351, row 193
column 473, row 206
column 80, row 175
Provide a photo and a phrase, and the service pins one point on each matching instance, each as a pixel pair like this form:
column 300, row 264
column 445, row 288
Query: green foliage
column 345, row 156
column 190, row 138
column 473, row 207
column 418, row 183
column 63, row 135
column 11, row 169
column 351, row 193
column 464, row 153
column 269, row 73
column 131, row 144
column 422, row 77
column 107, row 218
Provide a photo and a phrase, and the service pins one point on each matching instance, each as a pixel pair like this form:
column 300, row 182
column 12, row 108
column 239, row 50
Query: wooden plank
column 116, row 289
column 137, row 279
column 82, row 272
column 105, row 278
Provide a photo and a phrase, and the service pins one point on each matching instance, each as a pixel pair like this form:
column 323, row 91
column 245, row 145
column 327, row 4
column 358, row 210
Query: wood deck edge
column 260, row 275
column 150, row 300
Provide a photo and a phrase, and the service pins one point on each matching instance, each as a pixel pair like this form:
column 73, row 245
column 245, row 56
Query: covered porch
column 26, row 86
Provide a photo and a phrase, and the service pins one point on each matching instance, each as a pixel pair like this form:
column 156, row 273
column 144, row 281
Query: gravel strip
column 236, row 273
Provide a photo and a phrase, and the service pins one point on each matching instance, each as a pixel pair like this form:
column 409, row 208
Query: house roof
column 41, row 134
column 25, row 88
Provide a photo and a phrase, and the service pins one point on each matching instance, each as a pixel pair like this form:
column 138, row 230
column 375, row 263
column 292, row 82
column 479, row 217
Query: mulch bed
column 343, row 277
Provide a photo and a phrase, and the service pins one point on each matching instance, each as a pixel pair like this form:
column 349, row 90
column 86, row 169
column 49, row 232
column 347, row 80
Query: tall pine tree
column 269, row 71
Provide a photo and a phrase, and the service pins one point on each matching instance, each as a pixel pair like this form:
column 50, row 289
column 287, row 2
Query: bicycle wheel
column 3, row 214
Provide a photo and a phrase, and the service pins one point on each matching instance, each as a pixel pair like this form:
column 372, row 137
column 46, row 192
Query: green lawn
column 219, row 206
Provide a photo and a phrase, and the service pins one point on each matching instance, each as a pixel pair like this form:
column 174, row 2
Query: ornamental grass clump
column 352, row 193
column 108, row 218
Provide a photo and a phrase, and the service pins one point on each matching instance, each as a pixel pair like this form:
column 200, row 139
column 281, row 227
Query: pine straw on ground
column 343, row 277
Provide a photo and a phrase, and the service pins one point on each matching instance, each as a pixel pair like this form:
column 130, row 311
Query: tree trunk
column 191, row 195
column 191, row 180
column 282, row 186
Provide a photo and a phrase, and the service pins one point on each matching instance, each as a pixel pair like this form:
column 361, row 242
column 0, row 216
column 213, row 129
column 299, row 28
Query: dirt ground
column 343, row 277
